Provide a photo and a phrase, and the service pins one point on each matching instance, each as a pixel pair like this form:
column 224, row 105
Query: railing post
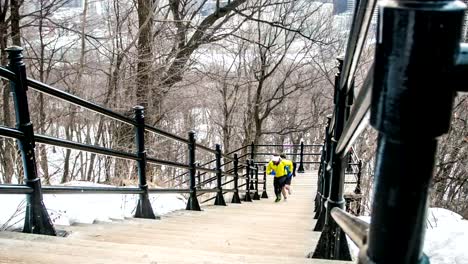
column 349, row 167
column 301, row 159
column 325, row 180
column 252, row 177
column 219, row 174
column 419, row 42
column 256, row 196
column 357, row 190
column 199, row 176
column 37, row 220
column 192, row 203
column 144, row 209
column 235, row 195
column 264, row 193
column 332, row 243
column 247, row 197
column 319, row 183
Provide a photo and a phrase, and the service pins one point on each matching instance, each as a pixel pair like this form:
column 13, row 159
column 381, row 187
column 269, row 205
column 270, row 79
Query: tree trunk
column 15, row 22
column 145, row 42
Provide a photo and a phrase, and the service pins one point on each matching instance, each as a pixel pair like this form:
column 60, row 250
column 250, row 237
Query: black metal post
column 264, row 193
column 256, row 195
column 235, row 196
column 219, row 174
column 144, row 209
column 332, row 243
column 415, row 55
column 325, row 181
column 192, row 203
column 252, row 178
column 349, row 167
column 318, row 195
column 357, row 190
column 37, row 220
column 247, row 197
column 301, row 159
column 199, row 176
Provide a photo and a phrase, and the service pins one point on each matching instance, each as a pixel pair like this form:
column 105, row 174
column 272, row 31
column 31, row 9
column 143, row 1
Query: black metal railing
column 37, row 219
column 297, row 150
column 418, row 58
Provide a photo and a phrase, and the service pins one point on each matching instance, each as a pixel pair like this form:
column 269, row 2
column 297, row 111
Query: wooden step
column 257, row 232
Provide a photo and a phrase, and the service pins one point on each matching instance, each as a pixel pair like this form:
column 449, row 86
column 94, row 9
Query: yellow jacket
column 289, row 164
column 279, row 169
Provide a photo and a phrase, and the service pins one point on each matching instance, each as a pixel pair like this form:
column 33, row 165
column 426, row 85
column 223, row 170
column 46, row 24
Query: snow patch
column 67, row 209
column 446, row 237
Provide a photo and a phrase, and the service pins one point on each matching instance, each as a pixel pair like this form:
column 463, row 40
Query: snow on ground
column 67, row 209
column 446, row 237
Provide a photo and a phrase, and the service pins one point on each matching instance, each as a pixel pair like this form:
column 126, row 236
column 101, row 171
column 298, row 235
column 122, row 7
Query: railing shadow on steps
column 419, row 57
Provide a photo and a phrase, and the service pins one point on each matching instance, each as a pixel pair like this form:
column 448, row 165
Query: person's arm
column 268, row 169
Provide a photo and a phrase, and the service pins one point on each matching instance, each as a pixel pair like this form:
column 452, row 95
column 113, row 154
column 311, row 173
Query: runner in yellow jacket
column 290, row 173
column 277, row 168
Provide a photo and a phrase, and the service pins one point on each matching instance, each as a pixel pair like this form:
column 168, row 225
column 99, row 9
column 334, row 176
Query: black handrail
column 361, row 21
column 354, row 227
column 288, row 145
column 49, row 90
column 15, row 189
column 168, row 163
column 211, row 161
column 10, row 133
column 51, row 189
column 356, row 117
column 356, row 40
column 289, row 154
column 79, row 146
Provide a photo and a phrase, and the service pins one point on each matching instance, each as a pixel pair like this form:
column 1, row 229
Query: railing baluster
column 357, row 190
column 325, row 179
column 37, row 219
column 219, row 196
column 332, row 243
column 252, row 177
column 235, row 195
column 199, row 176
column 301, row 159
column 247, row 197
column 192, row 203
column 256, row 195
column 319, row 184
column 264, row 193
column 144, row 209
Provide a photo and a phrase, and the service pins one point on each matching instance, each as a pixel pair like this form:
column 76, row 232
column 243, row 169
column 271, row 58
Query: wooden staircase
column 257, row 232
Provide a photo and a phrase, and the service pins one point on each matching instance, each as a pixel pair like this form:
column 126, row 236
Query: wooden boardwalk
column 257, row 232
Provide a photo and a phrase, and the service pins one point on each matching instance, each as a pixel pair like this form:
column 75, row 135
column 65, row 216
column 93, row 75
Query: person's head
column 276, row 159
column 283, row 156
